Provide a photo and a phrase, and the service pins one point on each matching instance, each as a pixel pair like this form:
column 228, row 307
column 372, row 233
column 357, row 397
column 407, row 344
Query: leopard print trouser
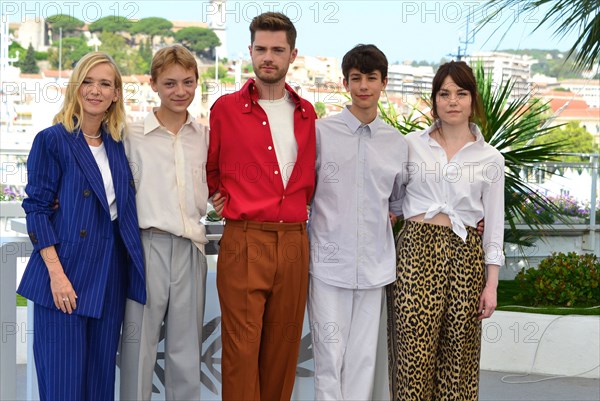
column 434, row 337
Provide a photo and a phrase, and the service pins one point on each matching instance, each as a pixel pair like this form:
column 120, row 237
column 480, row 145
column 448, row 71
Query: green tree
column 40, row 56
column 128, row 59
column 15, row 47
column 566, row 16
column 142, row 64
column 511, row 126
column 210, row 73
column 134, row 64
column 152, row 26
column 320, row 109
column 571, row 138
column 73, row 49
column 68, row 23
column 200, row 40
column 146, row 51
column 28, row 64
column 114, row 45
column 111, row 24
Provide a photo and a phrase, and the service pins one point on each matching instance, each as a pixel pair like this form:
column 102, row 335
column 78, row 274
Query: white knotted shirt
column 467, row 188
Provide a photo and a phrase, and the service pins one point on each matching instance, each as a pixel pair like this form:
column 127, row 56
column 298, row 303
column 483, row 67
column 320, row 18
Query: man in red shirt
column 261, row 160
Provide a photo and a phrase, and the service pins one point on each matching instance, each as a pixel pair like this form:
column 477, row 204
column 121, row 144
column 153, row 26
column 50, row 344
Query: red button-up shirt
column 243, row 166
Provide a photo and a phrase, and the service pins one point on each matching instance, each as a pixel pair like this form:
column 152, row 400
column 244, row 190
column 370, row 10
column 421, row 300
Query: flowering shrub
column 8, row 194
column 563, row 280
column 568, row 207
column 537, row 214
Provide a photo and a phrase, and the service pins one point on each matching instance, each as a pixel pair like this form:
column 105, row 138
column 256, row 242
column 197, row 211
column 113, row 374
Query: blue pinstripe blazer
column 61, row 165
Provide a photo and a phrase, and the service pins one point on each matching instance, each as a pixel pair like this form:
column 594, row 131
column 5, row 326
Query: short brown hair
column 174, row 54
column 274, row 22
column 463, row 76
column 366, row 59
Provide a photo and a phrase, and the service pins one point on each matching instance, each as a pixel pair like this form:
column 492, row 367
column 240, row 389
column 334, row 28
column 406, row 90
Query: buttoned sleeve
column 318, row 146
column 399, row 189
column 493, row 210
column 212, row 165
column 43, row 178
column 317, row 158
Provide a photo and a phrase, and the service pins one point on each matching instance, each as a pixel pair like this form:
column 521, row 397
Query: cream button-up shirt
column 169, row 170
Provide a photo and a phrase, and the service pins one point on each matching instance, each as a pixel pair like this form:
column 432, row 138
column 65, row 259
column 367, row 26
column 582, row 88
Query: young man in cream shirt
column 167, row 152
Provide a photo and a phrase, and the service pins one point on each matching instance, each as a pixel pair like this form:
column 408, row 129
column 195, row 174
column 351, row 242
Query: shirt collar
column 151, row 122
column 354, row 123
column 472, row 126
column 249, row 94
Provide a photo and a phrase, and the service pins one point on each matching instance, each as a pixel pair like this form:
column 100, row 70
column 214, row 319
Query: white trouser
column 175, row 285
column 344, row 328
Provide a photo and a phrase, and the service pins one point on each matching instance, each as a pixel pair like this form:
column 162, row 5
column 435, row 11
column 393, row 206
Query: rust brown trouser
column 433, row 332
column 262, row 279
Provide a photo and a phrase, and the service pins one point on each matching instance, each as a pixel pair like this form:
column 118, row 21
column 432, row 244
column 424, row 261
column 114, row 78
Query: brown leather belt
column 266, row 226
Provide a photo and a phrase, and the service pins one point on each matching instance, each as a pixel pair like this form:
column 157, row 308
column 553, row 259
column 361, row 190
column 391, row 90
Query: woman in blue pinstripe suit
column 87, row 255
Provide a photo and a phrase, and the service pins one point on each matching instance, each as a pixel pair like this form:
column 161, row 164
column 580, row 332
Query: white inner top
column 99, row 153
column 280, row 113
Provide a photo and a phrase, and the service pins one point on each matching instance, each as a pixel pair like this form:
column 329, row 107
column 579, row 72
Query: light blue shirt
column 360, row 177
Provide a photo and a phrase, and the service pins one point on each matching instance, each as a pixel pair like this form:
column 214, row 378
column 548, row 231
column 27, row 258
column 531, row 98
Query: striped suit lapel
column 88, row 166
column 119, row 175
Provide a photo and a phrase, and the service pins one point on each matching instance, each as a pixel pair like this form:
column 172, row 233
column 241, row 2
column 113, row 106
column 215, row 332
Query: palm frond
column 407, row 123
column 511, row 124
column 566, row 16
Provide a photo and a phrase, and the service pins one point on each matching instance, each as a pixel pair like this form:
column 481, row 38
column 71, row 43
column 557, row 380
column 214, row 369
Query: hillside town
column 317, row 78
column 545, row 112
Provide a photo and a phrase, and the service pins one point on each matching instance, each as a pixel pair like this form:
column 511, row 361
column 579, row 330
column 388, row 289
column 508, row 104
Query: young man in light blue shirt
column 361, row 174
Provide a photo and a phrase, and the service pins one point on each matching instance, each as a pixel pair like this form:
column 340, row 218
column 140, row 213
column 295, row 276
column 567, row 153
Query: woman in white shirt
column 447, row 275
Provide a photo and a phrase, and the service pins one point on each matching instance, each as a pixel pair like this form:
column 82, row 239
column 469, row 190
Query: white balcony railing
column 14, row 247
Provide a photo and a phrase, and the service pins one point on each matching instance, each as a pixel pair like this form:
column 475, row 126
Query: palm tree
column 510, row 126
column 581, row 16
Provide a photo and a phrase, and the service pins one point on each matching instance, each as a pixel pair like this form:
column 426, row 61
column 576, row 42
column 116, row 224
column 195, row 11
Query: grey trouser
column 175, row 284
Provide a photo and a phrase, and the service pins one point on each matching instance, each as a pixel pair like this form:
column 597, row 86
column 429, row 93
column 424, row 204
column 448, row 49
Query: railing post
column 32, row 384
column 11, row 249
column 8, row 319
column 593, row 201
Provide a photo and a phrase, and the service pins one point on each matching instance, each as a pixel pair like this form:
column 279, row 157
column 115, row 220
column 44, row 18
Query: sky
column 403, row 30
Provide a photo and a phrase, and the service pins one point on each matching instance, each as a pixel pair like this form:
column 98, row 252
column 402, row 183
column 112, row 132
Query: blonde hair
column 71, row 115
column 174, row 54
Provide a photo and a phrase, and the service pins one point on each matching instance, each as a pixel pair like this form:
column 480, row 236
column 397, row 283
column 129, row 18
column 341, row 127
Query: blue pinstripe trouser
column 75, row 355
